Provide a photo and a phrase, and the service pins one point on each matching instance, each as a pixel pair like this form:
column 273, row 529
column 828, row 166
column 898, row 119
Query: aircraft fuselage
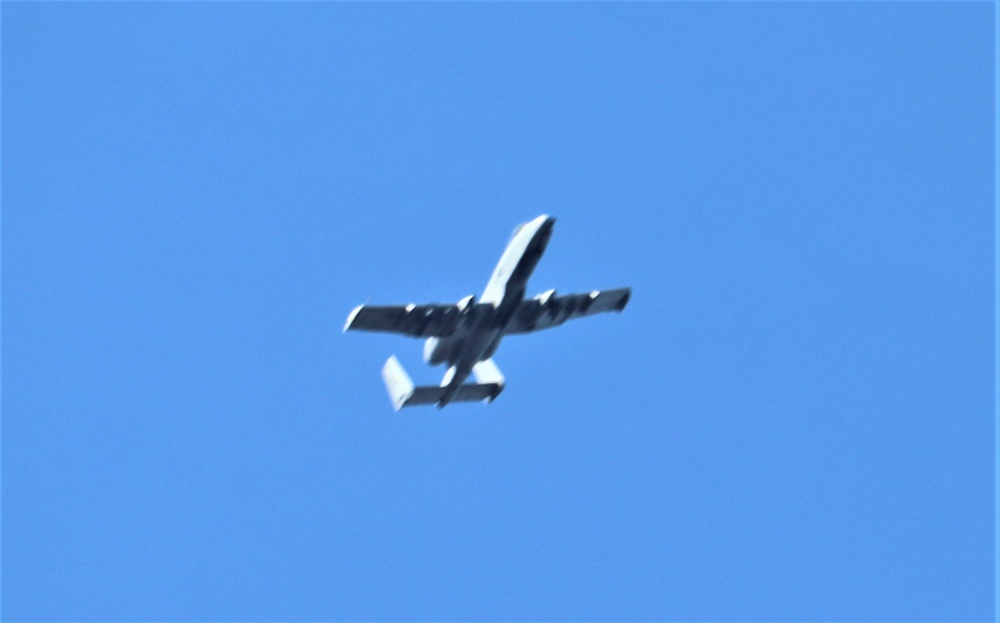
column 478, row 340
column 466, row 334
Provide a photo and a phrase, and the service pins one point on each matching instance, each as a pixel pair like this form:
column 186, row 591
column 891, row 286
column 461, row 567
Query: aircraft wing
column 548, row 310
column 435, row 320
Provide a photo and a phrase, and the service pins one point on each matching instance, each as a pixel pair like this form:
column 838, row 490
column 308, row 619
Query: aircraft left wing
column 435, row 320
column 548, row 310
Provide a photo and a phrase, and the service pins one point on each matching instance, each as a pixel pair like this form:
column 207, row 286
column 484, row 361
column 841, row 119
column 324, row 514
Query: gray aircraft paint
column 465, row 335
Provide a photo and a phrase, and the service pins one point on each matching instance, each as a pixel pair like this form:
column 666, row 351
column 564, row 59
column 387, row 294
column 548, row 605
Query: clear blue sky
column 793, row 419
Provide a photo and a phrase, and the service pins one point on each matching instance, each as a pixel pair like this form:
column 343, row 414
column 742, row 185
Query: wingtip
column 625, row 299
column 351, row 316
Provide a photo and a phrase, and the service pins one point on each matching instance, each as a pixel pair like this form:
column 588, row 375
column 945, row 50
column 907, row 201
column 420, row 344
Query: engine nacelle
column 545, row 297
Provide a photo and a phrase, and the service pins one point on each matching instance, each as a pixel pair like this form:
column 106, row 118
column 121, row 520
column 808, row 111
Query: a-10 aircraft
column 466, row 334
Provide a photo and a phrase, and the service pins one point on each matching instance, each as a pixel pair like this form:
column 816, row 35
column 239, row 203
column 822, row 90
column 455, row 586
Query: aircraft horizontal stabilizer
column 403, row 393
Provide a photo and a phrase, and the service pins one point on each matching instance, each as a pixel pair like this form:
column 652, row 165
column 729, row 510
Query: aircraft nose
column 544, row 231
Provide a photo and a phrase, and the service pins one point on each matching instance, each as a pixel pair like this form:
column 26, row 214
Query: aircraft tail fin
column 403, row 393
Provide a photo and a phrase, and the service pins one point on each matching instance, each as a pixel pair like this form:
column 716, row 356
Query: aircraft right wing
column 548, row 310
column 433, row 320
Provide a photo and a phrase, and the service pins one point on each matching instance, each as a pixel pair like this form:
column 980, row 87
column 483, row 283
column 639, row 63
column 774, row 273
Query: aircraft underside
column 465, row 335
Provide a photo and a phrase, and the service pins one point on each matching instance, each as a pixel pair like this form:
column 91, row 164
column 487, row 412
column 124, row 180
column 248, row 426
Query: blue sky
column 793, row 419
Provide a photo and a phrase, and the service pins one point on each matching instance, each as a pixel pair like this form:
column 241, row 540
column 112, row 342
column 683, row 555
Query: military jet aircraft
column 466, row 334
